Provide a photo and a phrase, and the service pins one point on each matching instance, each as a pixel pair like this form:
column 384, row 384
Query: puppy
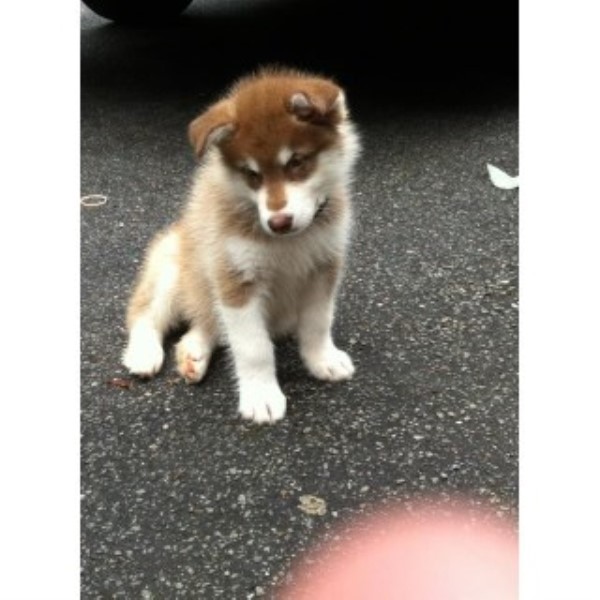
column 259, row 249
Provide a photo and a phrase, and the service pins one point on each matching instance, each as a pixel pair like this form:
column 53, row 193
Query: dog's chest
column 291, row 259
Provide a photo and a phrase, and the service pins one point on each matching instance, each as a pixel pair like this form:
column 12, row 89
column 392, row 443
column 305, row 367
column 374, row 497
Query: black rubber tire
column 137, row 11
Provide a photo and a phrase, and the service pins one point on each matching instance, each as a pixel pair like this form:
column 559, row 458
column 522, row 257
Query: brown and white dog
column 259, row 249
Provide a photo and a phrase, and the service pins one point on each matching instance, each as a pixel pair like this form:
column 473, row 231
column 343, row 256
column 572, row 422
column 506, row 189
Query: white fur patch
column 244, row 256
column 261, row 399
column 289, row 256
column 350, row 151
column 317, row 348
column 284, row 155
column 261, row 402
column 302, row 203
column 144, row 354
column 340, row 104
column 330, row 364
column 252, row 164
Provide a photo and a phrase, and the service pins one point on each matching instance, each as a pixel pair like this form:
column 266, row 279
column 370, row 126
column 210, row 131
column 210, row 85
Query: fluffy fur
column 259, row 249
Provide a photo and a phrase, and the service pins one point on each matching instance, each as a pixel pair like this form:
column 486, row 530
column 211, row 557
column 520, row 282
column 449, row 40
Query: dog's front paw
column 143, row 359
column 331, row 364
column 262, row 402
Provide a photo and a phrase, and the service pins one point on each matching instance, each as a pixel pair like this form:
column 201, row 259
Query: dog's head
column 286, row 142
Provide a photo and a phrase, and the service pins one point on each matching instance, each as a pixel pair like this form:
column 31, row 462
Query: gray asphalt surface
column 180, row 499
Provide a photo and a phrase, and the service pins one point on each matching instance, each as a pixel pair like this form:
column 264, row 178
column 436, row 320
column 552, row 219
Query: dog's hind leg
column 153, row 309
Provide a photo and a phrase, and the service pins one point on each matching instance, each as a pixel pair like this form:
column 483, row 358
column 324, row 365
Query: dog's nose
column 280, row 223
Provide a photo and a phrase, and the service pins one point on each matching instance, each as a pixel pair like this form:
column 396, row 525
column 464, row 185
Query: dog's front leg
column 261, row 399
column 319, row 353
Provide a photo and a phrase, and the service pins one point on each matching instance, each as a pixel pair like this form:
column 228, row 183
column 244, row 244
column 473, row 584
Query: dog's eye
column 254, row 178
column 299, row 166
column 295, row 162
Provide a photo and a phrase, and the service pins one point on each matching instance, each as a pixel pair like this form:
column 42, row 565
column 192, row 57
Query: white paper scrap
column 501, row 180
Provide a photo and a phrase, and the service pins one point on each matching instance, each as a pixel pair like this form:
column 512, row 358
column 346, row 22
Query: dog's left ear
column 320, row 102
column 212, row 127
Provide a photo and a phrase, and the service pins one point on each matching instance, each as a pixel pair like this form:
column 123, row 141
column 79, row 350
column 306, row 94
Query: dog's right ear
column 212, row 127
column 319, row 101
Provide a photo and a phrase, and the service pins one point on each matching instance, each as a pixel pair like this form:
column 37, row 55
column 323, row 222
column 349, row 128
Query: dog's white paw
column 331, row 364
column 262, row 402
column 144, row 358
column 192, row 357
column 192, row 368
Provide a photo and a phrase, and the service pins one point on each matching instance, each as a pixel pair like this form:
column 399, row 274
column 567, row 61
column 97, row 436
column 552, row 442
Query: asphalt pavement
column 180, row 498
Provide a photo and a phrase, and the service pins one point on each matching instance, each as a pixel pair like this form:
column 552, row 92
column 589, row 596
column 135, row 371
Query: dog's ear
column 319, row 101
column 212, row 127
